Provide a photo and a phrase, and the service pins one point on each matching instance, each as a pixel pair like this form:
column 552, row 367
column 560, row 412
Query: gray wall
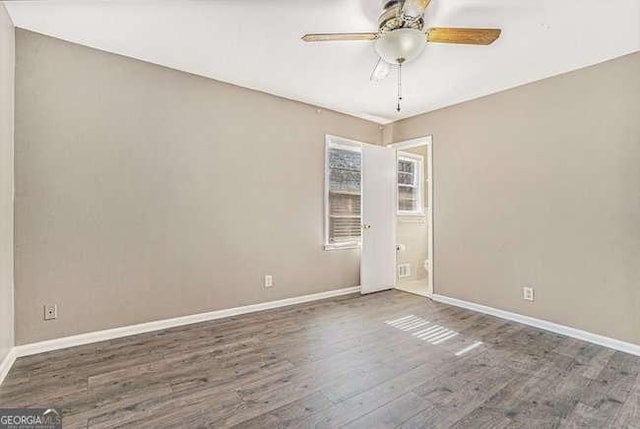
column 145, row 193
column 540, row 186
column 7, row 56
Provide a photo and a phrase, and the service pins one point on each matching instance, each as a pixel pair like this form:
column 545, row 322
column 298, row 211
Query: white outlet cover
column 50, row 311
column 268, row 281
column 528, row 293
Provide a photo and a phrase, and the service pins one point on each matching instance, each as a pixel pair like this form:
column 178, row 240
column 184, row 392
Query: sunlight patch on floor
column 423, row 329
column 468, row 348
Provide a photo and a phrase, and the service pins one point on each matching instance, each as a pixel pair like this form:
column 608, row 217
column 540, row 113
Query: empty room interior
column 340, row 213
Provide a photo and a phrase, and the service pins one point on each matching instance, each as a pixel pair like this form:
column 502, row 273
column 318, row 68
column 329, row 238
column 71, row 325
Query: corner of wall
column 13, row 182
column 387, row 133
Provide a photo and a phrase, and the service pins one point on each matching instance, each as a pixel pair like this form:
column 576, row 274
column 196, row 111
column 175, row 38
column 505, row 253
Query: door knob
column 366, row 226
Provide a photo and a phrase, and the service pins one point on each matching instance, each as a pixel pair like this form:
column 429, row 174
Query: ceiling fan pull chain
column 399, row 85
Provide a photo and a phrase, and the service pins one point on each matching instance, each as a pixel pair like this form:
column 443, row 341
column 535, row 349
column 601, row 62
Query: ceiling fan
column 401, row 36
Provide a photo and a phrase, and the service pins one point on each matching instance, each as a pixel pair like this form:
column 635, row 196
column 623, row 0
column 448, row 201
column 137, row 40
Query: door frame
column 428, row 166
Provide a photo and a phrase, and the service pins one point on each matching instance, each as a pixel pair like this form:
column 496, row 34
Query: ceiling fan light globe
column 400, row 46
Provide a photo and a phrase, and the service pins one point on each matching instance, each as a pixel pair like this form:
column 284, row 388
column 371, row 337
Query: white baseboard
column 7, row 363
column 579, row 334
column 109, row 334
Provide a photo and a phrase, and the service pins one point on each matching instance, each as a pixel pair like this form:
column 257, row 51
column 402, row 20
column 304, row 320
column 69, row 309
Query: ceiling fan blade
column 415, row 8
column 330, row 37
column 466, row 36
column 380, row 71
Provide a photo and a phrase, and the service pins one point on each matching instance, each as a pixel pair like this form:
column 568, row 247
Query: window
column 342, row 193
column 410, row 184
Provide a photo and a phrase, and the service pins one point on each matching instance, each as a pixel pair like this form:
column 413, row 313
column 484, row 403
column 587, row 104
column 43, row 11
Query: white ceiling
column 256, row 44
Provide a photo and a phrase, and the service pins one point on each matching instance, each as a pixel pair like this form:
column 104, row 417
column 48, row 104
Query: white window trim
column 419, row 159
column 346, row 144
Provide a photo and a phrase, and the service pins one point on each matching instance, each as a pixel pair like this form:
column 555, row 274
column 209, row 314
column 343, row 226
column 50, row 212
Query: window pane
column 409, row 185
column 406, row 166
column 345, row 159
column 408, row 199
column 344, row 195
column 344, row 229
column 344, row 204
column 344, row 180
column 405, row 179
column 344, row 169
column 406, row 172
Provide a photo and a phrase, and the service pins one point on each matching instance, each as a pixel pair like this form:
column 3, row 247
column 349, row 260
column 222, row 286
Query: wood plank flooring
column 390, row 359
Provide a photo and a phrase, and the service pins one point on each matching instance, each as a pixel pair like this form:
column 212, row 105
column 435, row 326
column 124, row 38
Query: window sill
column 341, row 246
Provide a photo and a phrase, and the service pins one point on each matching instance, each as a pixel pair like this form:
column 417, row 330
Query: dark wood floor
column 390, row 359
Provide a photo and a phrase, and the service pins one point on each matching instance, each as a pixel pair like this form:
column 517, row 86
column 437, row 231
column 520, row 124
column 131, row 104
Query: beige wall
column 128, row 177
column 411, row 232
column 540, row 186
column 145, row 193
column 7, row 67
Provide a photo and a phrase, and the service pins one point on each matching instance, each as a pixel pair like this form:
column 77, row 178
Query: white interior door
column 377, row 266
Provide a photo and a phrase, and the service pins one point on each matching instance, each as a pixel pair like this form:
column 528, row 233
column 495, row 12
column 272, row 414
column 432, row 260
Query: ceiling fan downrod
column 399, row 85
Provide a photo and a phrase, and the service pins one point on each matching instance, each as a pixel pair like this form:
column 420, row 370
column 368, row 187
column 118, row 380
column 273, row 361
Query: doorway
column 414, row 216
column 380, row 199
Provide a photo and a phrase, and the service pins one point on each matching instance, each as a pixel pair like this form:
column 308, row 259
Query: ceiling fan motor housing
column 392, row 17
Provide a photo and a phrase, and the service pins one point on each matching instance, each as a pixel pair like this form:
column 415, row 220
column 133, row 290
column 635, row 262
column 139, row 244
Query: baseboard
column 110, row 334
column 7, row 363
column 579, row 334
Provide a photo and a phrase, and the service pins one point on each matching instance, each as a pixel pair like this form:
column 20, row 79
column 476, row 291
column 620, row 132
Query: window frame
column 418, row 179
column 345, row 144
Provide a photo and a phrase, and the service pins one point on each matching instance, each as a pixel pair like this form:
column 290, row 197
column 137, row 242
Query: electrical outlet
column 50, row 311
column 268, row 280
column 527, row 293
